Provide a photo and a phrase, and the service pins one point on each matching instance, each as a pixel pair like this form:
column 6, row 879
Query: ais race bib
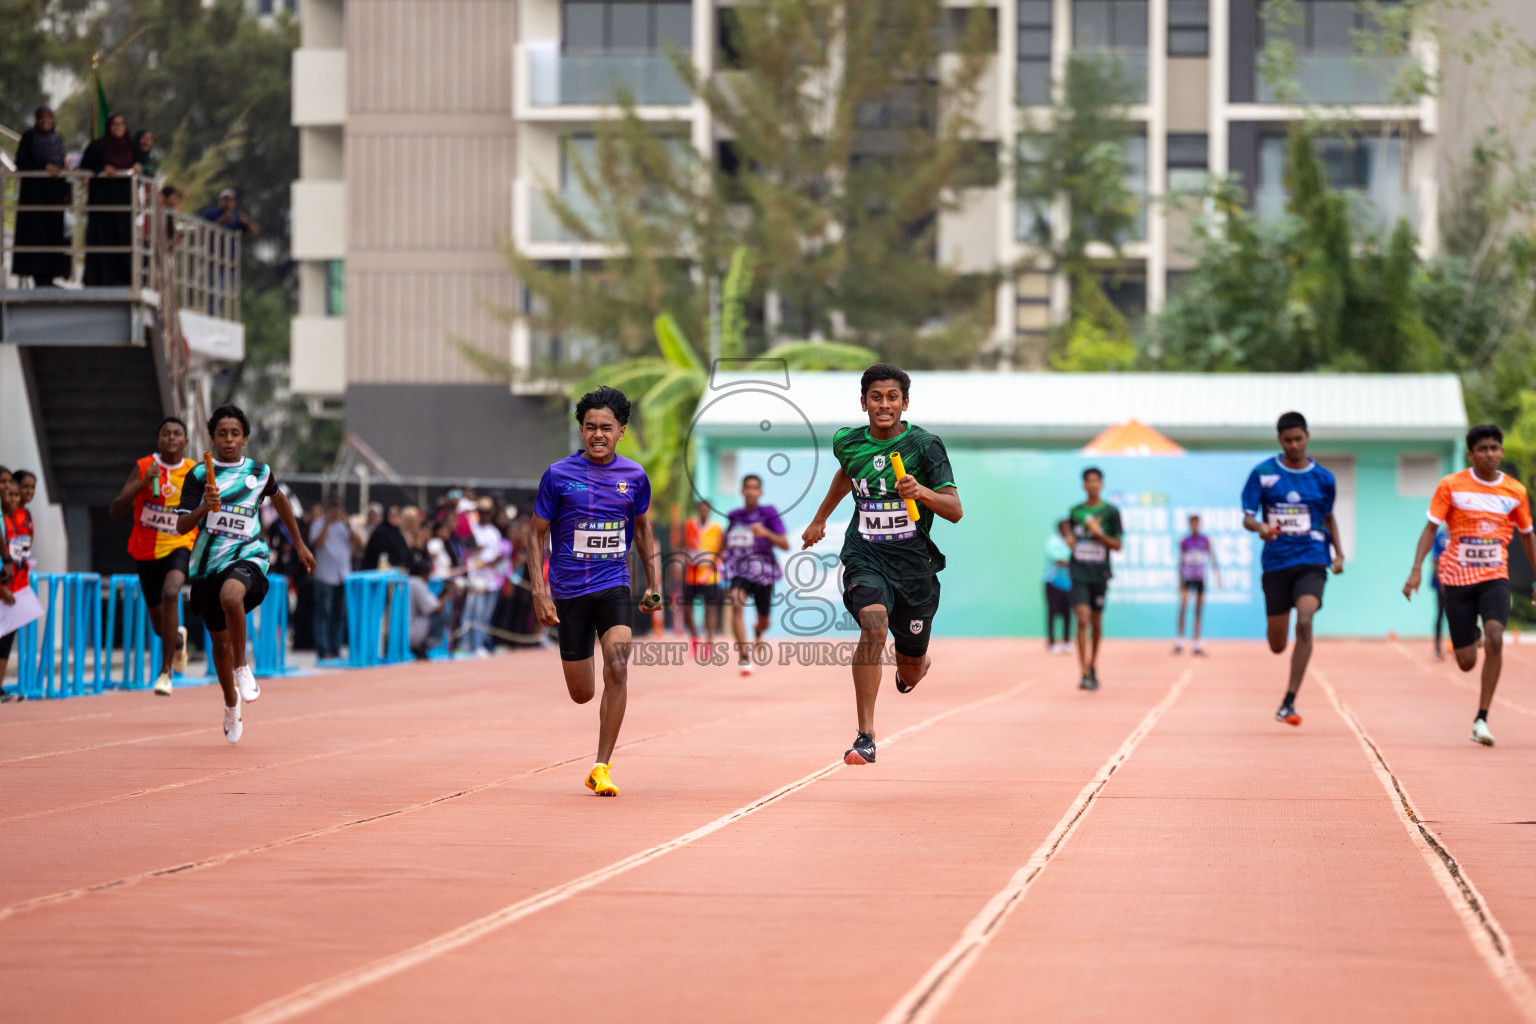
column 233, row 521
column 159, row 518
column 883, row 521
column 598, row 538
column 1292, row 520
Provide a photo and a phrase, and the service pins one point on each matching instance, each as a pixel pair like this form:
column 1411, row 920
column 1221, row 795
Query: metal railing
column 563, row 79
column 202, row 257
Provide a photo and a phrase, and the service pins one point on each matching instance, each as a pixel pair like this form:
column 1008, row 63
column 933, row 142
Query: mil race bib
column 884, row 521
column 233, row 521
column 740, row 538
column 1291, row 520
column 598, row 538
column 159, row 518
column 1479, row 552
column 1090, row 551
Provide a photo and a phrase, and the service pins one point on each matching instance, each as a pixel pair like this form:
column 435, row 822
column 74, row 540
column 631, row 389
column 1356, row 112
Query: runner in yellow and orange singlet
column 153, row 492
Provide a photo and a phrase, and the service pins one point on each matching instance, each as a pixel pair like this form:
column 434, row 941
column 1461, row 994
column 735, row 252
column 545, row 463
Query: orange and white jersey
column 1481, row 519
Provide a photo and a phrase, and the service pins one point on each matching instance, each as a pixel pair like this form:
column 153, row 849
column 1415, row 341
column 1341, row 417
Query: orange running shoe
column 599, row 782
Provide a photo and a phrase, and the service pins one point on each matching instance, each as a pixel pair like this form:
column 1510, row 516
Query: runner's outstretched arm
column 1426, row 541
column 285, row 513
column 123, row 503
column 543, row 605
column 1332, row 526
column 841, row 487
column 650, row 558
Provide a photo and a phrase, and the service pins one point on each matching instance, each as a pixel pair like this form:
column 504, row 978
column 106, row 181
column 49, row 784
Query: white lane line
column 215, row 860
column 923, row 1000
column 1487, row 935
column 313, row 996
column 1461, row 684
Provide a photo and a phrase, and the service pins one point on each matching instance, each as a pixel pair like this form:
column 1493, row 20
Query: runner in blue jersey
column 598, row 503
column 1288, row 502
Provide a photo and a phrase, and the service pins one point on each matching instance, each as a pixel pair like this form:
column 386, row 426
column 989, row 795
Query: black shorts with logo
column 205, row 593
column 910, row 605
column 152, row 573
column 1487, row 600
column 586, row 618
column 1284, row 587
column 1090, row 592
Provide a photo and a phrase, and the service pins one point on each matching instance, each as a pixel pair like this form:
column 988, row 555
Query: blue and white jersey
column 1295, row 502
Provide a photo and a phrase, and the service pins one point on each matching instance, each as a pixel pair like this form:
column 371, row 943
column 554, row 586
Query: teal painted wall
column 1012, row 496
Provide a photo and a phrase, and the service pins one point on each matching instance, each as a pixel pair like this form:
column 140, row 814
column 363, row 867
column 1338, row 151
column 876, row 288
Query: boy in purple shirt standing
column 751, row 534
column 590, row 508
column 1195, row 556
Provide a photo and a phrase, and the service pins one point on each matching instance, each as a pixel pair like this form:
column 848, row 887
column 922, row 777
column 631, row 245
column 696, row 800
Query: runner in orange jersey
column 1481, row 508
column 153, row 492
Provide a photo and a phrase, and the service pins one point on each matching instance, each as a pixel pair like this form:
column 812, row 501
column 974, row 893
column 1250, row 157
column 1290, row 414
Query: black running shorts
column 152, row 573
column 910, row 606
column 760, row 594
column 205, row 593
column 1193, row 586
column 1284, row 587
column 1487, row 600
column 1089, row 593
column 709, row 593
column 585, row 619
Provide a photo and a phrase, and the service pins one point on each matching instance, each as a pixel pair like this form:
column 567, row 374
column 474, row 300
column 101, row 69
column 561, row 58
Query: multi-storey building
column 431, row 130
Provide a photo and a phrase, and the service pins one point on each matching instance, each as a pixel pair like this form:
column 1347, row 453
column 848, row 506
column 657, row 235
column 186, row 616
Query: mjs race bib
column 233, row 521
column 1292, row 520
column 882, row 521
column 1090, row 551
column 159, row 518
column 1479, row 552
column 596, row 538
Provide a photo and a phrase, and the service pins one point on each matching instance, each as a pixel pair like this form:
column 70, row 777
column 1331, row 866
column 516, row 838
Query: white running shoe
column 245, row 682
column 179, row 662
column 233, row 727
column 163, row 684
column 1480, row 733
column 746, row 668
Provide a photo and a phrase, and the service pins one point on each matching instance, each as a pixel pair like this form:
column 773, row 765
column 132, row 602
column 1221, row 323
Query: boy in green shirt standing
column 1096, row 532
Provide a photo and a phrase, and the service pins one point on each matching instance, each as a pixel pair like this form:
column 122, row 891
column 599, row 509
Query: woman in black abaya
column 111, row 159
column 41, row 149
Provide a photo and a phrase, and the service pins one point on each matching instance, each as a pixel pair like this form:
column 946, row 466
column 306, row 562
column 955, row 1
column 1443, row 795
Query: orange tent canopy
column 1131, row 438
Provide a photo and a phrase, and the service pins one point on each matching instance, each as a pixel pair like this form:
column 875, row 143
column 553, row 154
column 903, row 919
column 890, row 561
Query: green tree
column 849, row 137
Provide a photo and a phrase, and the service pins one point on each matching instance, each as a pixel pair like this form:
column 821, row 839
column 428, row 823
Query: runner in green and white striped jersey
column 230, row 560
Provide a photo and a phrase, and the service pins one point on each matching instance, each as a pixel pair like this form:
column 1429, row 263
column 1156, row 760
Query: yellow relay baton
column 901, row 471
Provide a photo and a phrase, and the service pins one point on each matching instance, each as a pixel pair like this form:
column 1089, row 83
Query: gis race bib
column 598, row 538
column 739, row 538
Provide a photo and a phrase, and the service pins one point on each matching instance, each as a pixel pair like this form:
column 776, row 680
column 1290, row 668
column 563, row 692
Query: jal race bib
column 233, row 521
column 739, row 538
column 1479, row 552
column 884, row 521
column 159, row 518
column 598, row 538
column 1090, row 551
column 1291, row 520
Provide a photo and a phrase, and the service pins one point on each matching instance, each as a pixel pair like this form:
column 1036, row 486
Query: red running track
column 414, row 844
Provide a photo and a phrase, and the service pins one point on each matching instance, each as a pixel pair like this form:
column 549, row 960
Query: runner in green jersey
column 890, row 564
column 229, row 561
column 1095, row 533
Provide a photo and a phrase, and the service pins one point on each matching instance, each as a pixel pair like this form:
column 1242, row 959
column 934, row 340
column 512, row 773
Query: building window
column 1324, row 26
column 1418, row 475
column 1188, row 162
column 618, row 26
column 1035, row 53
column 335, row 288
column 1116, row 29
column 957, row 21
column 1189, row 28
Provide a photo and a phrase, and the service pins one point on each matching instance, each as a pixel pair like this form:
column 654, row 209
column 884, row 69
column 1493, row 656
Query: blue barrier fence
column 52, row 651
column 378, row 618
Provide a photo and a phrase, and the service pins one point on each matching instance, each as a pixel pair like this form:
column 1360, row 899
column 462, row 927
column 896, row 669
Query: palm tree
column 669, row 385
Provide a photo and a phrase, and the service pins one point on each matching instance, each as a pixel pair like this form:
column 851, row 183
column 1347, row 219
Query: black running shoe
column 1089, row 682
column 1287, row 714
column 862, row 751
column 902, row 687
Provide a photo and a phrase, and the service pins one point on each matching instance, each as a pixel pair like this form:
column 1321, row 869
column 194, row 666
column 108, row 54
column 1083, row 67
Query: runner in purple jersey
column 751, row 534
column 599, row 504
column 1195, row 556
